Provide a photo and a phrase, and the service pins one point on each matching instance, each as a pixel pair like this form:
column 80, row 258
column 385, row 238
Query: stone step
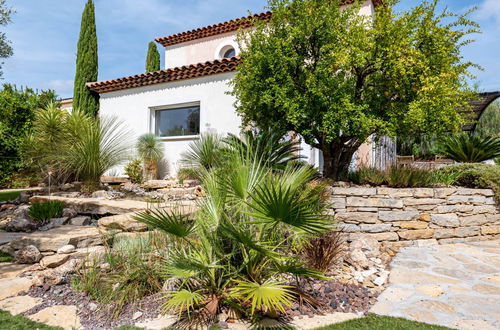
column 94, row 205
column 53, row 239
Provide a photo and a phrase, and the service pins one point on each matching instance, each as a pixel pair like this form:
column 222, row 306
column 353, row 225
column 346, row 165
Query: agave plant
column 150, row 151
column 470, row 148
column 234, row 252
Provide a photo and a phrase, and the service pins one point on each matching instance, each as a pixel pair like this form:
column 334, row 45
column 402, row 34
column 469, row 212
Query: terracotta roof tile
column 224, row 27
column 168, row 75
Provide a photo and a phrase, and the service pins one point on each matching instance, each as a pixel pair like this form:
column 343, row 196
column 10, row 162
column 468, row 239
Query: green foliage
column 5, row 47
column 5, row 257
column 134, row 272
column 150, row 150
column 401, row 177
column 9, row 195
column 231, row 251
column 422, row 146
column 153, row 58
column 470, row 148
column 336, row 77
column 489, row 123
column 86, row 63
column 17, row 111
column 134, row 170
column 475, row 175
column 375, row 322
column 75, row 146
column 187, row 173
column 10, row 322
column 205, row 153
column 42, row 212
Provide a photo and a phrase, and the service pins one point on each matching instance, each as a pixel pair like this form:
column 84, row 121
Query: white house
column 189, row 97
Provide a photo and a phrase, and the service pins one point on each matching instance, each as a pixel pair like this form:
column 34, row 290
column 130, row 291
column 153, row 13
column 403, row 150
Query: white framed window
column 227, row 50
column 177, row 121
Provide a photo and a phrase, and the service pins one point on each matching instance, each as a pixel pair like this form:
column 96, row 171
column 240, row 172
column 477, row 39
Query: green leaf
column 170, row 222
column 270, row 295
column 182, row 300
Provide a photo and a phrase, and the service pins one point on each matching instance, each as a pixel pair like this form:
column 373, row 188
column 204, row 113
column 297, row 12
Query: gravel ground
column 323, row 297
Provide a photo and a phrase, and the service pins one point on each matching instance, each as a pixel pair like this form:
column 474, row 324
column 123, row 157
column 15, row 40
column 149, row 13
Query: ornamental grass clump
column 41, row 212
column 234, row 253
column 470, row 148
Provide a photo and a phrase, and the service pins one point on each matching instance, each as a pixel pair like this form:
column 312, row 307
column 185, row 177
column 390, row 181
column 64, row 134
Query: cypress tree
column 153, row 58
column 86, row 63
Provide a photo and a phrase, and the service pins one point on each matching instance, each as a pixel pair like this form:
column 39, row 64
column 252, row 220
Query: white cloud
column 61, row 86
column 489, row 9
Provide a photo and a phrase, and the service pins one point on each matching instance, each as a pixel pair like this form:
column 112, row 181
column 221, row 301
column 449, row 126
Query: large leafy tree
column 336, row 77
column 86, row 63
column 5, row 47
column 17, row 112
column 153, row 58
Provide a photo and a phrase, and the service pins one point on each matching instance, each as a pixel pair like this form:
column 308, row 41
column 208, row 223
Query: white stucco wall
column 199, row 51
column 136, row 107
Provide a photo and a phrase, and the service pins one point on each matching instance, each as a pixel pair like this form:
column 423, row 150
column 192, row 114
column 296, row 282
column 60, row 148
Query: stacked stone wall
column 417, row 215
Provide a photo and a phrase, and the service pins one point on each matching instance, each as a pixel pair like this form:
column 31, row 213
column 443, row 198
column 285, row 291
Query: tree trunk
column 337, row 157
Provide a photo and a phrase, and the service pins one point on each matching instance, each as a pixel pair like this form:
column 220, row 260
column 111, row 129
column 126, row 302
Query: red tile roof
column 168, row 75
column 225, row 27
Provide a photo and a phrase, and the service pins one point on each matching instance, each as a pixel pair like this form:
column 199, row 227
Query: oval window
column 231, row 52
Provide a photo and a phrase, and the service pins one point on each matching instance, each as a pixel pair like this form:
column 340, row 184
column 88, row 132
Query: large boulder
column 21, row 224
column 54, row 261
column 55, row 276
column 54, row 223
column 28, row 255
column 123, row 222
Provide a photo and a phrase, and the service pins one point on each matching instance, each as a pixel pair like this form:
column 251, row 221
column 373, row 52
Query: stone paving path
column 455, row 285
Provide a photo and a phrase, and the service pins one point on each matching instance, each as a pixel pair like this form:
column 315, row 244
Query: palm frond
column 271, row 295
column 149, row 147
column 171, row 222
column 470, row 148
column 204, row 153
column 181, row 300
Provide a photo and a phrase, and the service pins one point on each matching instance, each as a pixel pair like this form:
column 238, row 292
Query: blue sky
column 44, row 35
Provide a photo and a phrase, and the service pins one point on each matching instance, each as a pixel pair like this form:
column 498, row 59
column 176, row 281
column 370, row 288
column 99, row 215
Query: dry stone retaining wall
column 417, row 215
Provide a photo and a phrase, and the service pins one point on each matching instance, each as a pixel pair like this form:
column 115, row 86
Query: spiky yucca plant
column 150, row 150
column 234, row 252
column 470, row 148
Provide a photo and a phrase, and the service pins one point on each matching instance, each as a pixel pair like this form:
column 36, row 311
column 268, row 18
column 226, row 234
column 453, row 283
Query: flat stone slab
column 94, row 205
column 53, row 239
column 11, row 269
column 10, row 287
column 20, row 304
column 58, row 316
column 7, row 237
column 454, row 285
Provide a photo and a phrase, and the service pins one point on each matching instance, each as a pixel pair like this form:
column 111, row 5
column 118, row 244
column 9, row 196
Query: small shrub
column 323, row 252
column 134, row 170
column 134, row 272
column 188, row 173
column 42, row 212
column 367, row 175
column 475, row 176
column 470, row 148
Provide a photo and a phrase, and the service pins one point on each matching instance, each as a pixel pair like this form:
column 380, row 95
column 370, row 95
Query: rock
column 431, row 290
column 91, row 252
column 54, row 260
column 436, row 306
column 445, row 220
column 100, row 194
column 358, row 217
column 394, row 192
column 136, row 315
column 354, row 191
column 67, row 187
column 53, row 239
column 123, row 222
column 413, row 224
column 358, row 259
column 398, row 215
column 444, row 192
column 375, row 202
column 369, row 246
column 54, row 223
column 423, row 192
column 455, row 199
column 92, row 307
column 20, row 304
column 69, row 213
column 66, row 249
column 158, row 184
column 28, row 255
column 416, row 234
column 24, row 197
column 376, row 228
column 10, row 287
column 80, row 221
column 21, row 223
column 489, row 230
column 55, row 276
column 58, row 316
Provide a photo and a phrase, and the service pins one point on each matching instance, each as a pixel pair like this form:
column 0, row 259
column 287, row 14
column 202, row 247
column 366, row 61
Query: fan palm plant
column 470, row 148
column 234, row 252
column 205, row 153
column 150, row 151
